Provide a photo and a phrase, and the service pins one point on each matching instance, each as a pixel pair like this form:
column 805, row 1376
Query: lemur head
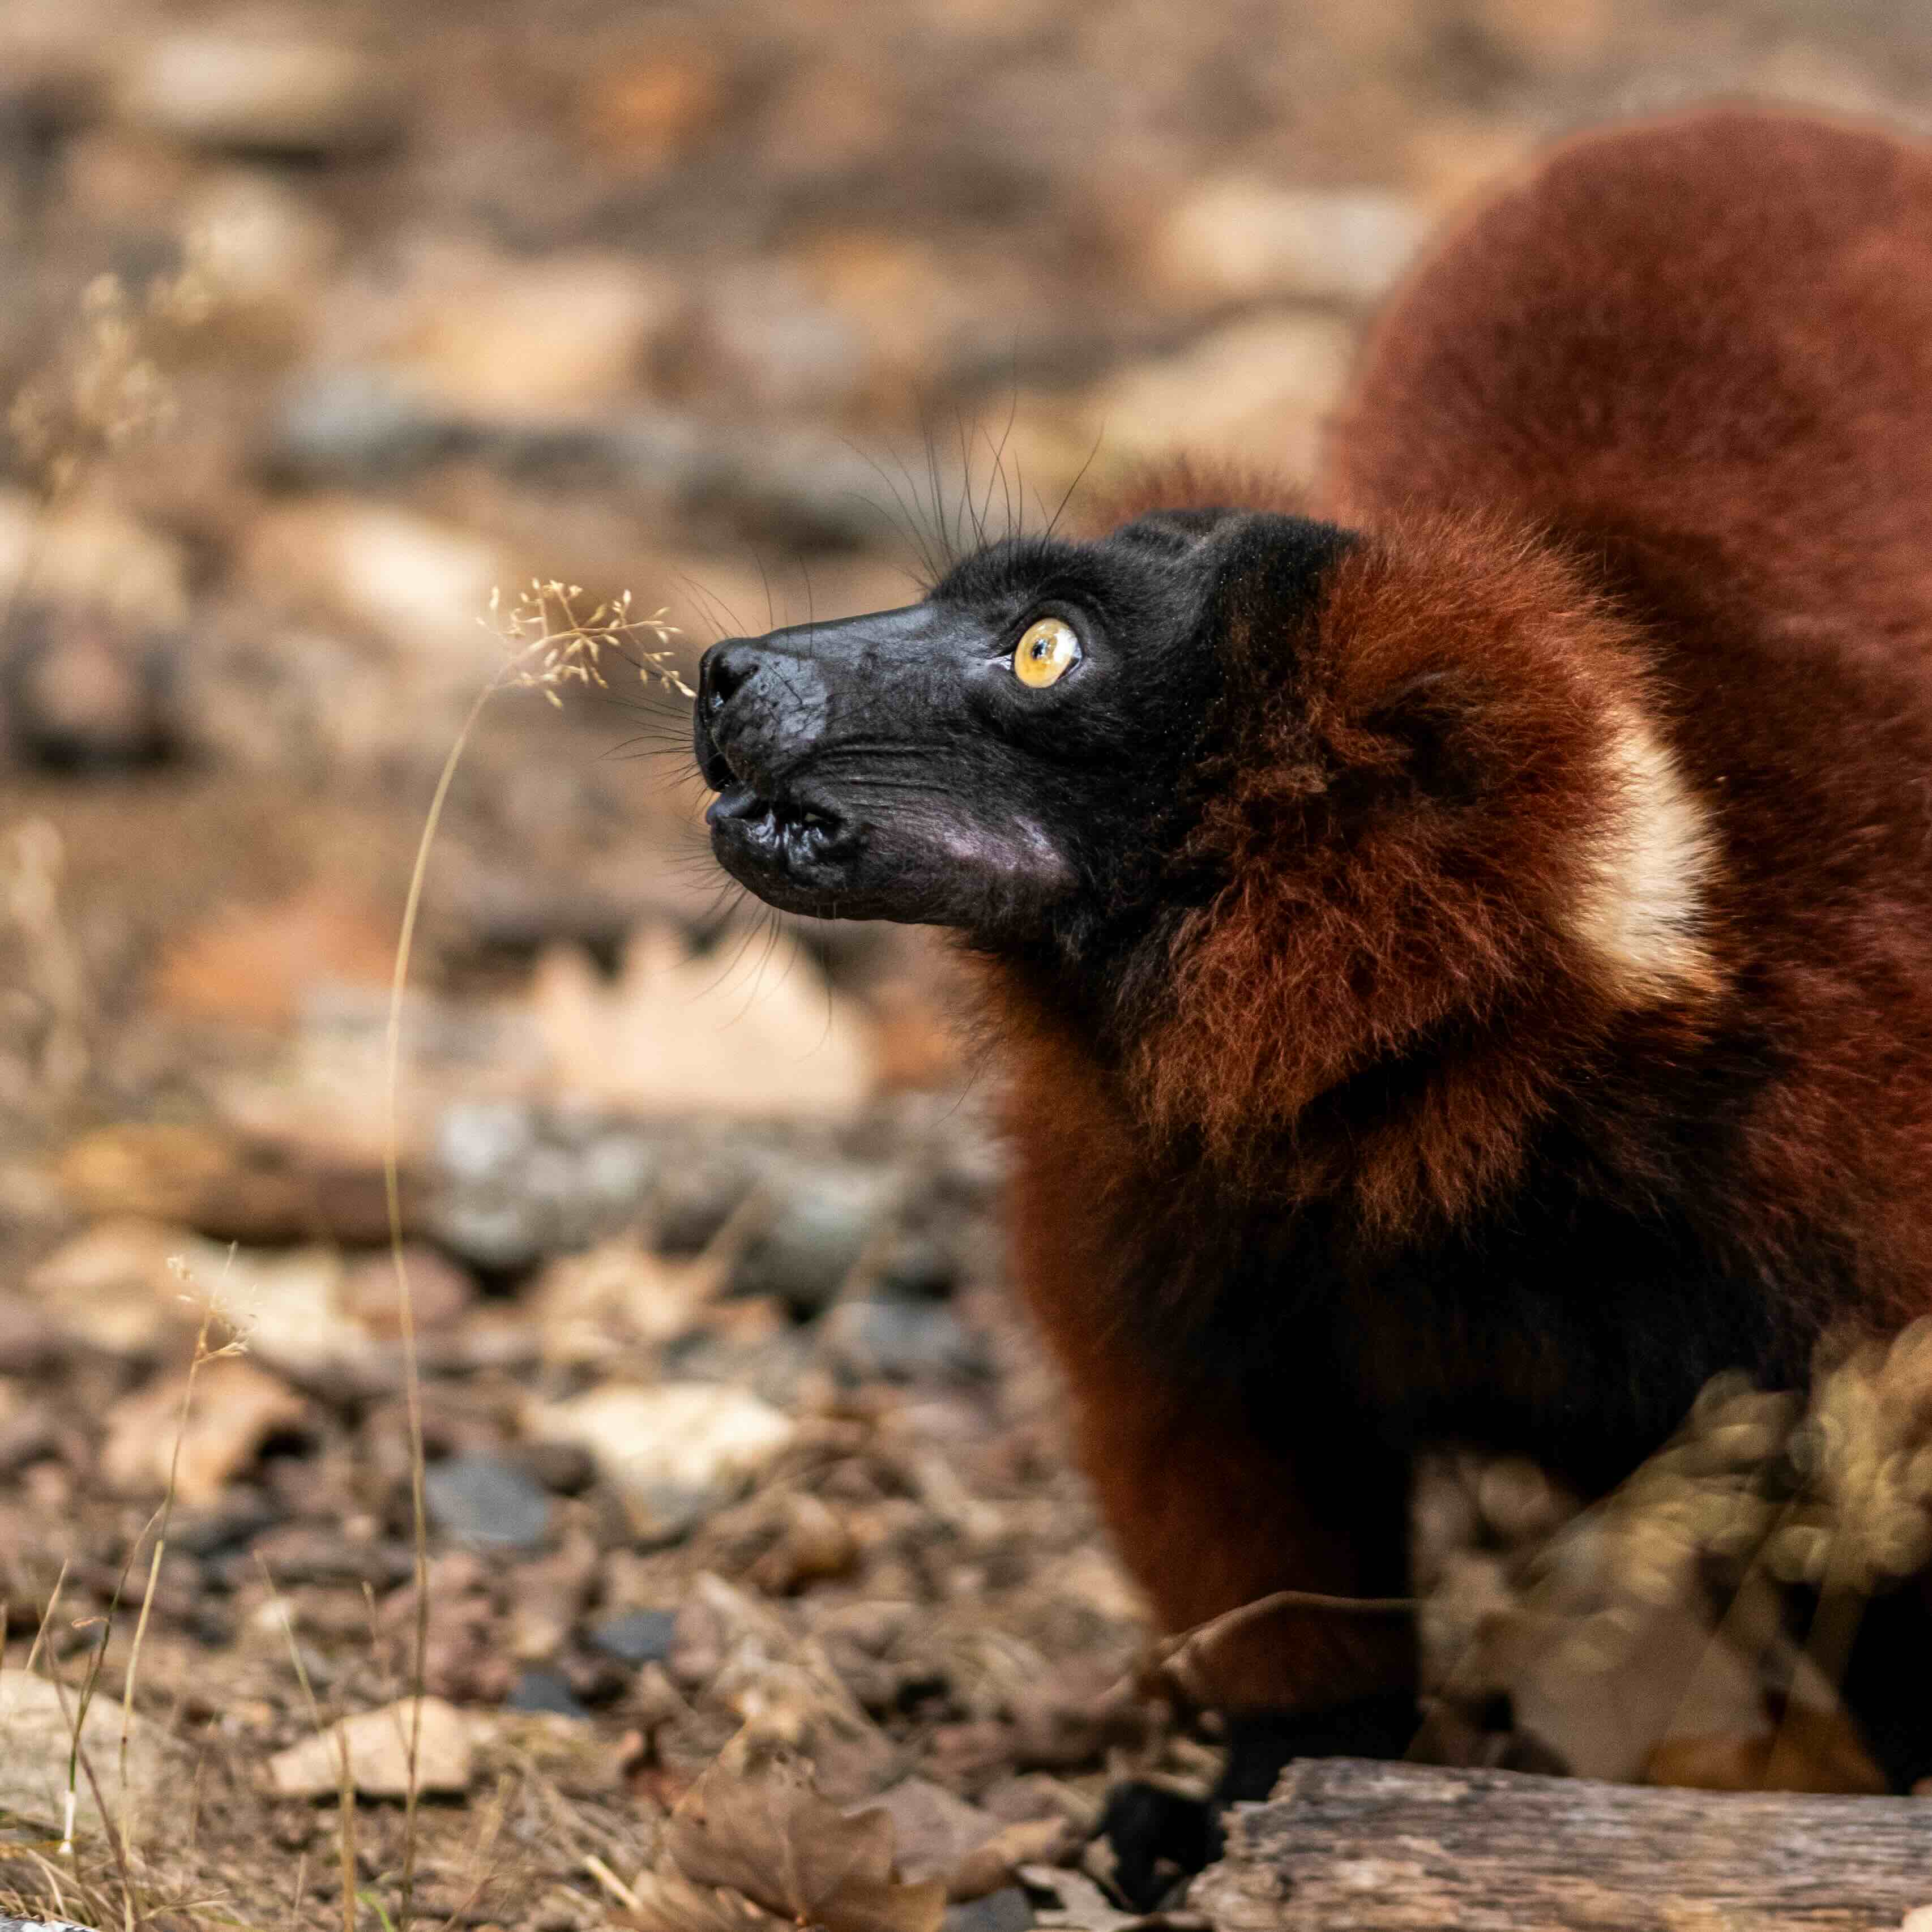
column 1016, row 756
column 1283, row 802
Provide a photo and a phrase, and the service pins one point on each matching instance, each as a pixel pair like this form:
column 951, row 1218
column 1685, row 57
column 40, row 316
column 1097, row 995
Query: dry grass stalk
column 548, row 643
column 51, row 983
column 103, row 388
column 345, row 1793
column 158, row 1527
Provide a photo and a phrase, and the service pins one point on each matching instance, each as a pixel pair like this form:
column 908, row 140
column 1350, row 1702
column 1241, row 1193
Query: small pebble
column 228, row 1526
column 902, row 1341
column 82, row 692
column 538, row 1689
column 637, row 1637
column 565, row 1468
column 300, row 1553
column 824, row 1217
column 918, row 1270
column 1005, row 1910
column 487, row 1502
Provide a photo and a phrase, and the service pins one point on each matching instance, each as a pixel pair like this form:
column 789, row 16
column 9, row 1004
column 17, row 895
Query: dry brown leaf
column 1033, row 1841
column 1810, row 1751
column 753, row 1823
column 668, row 1904
column 254, row 965
column 1082, row 1907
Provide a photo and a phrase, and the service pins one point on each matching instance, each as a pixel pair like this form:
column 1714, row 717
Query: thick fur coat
column 1597, row 1057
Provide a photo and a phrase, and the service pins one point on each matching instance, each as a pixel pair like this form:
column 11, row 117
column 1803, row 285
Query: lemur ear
column 1430, row 733
column 1268, row 572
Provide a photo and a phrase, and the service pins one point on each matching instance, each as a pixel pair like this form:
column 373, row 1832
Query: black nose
column 727, row 666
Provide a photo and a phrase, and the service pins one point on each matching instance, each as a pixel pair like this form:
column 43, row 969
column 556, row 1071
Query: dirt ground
column 319, row 324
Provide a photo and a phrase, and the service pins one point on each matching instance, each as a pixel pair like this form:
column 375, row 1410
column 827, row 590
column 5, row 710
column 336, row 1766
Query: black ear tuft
column 1433, row 720
column 1269, row 573
column 1175, row 529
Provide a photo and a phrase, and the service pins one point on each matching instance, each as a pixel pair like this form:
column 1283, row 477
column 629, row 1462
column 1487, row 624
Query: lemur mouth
column 804, row 839
column 788, row 847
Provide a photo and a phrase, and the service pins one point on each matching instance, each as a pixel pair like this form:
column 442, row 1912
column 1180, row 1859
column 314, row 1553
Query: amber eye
column 1048, row 652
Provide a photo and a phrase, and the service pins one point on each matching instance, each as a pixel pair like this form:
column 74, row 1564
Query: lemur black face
column 1008, row 756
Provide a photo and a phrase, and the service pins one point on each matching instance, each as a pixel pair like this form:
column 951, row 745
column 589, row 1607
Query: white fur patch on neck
column 1641, row 913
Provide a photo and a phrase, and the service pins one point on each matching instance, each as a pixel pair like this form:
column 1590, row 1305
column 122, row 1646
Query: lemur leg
column 1211, row 1513
column 1209, row 1517
column 1216, row 1496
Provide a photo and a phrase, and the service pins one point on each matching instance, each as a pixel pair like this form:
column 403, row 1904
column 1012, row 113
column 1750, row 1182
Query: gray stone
column 301, row 1552
column 538, row 1689
column 696, row 1194
column 1005, row 1910
column 637, row 1637
column 359, row 425
column 484, row 1140
column 517, row 1184
column 500, row 1234
column 355, row 425
column 487, row 1502
column 617, row 1168
column 902, row 1341
column 918, row 1270
column 37, row 1719
column 824, row 1217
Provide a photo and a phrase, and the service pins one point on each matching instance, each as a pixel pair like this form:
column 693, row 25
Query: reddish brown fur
column 1300, row 976
column 1652, row 434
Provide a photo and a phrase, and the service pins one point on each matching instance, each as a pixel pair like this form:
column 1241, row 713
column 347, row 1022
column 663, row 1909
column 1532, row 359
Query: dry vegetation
column 686, row 1417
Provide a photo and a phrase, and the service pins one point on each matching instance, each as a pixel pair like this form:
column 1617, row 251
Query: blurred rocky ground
column 319, row 323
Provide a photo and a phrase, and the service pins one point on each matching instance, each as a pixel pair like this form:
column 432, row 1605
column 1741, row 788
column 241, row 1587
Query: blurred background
column 319, row 323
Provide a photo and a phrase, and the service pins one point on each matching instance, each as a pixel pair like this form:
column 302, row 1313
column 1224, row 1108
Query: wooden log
column 1349, row 1846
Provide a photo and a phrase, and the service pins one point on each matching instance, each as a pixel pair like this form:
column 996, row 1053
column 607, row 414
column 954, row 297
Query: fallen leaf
column 157, row 1170
column 232, row 1408
column 1032, row 1841
column 254, row 965
column 783, row 1688
column 676, row 1035
column 111, row 1286
column 1810, row 1751
column 592, row 1305
column 675, row 1452
column 1082, row 1907
column 288, row 1305
column 669, row 1904
column 934, row 1828
column 754, row 1822
column 377, row 1744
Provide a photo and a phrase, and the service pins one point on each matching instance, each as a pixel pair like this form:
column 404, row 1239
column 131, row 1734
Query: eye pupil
column 1044, row 654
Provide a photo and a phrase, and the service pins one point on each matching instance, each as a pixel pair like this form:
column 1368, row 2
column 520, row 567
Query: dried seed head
column 551, row 642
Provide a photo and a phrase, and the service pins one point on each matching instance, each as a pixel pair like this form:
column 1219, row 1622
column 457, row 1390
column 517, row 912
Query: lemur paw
column 1158, row 1838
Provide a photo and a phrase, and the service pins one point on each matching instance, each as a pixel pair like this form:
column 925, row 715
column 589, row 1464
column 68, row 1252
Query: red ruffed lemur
column 1460, row 941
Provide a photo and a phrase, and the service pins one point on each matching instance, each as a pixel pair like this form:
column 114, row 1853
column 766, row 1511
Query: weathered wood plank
column 1348, row 1846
